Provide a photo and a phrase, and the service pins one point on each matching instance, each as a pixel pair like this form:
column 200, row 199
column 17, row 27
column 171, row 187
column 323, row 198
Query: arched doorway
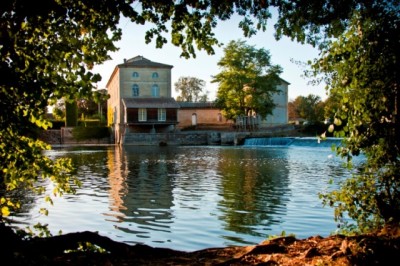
column 194, row 119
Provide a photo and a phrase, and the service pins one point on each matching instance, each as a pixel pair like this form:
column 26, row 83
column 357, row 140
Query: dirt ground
column 377, row 249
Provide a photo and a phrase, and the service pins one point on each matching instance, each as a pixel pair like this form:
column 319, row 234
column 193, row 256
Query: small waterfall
column 296, row 142
column 316, row 142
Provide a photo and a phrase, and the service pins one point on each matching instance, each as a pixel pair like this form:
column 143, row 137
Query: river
column 193, row 197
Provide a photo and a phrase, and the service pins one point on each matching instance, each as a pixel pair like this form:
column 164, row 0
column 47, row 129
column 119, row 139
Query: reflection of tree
column 246, row 176
column 149, row 189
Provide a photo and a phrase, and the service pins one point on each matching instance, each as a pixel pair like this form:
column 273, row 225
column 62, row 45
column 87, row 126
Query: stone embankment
column 195, row 137
column 64, row 136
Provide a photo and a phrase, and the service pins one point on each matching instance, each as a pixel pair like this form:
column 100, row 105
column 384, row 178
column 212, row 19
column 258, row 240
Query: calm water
column 190, row 198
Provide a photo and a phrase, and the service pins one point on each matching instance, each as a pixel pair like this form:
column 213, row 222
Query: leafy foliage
column 82, row 133
column 247, row 81
column 94, row 105
column 310, row 107
column 190, row 89
column 71, row 113
column 361, row 68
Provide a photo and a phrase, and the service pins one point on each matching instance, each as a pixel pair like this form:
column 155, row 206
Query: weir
column 293, row 141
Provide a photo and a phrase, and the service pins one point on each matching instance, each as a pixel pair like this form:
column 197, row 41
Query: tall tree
column 292, row 110
column 247, row 81
column 361, row 69
column 93, row 105
column 331, row 106
column 309, row 107
column 190, row 89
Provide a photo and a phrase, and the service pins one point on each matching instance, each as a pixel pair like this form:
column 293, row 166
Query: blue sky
column 204, row 66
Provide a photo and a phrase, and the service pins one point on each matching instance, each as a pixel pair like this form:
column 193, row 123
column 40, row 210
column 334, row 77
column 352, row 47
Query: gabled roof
column 137, row 61
column 284, row 81
column 140, row 61
column 161, row 102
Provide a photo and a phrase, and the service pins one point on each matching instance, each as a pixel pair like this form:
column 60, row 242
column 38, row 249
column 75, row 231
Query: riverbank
column 374, row 249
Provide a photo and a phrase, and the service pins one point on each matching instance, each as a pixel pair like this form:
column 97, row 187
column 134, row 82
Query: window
column 154, row 75
column 135, row 75
column 142, row 114
column 155, row 91
column 162, row 114
column 135, row 90
column 219, row 118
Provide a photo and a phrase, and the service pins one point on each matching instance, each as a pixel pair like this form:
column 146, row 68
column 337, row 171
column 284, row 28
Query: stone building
column 201, row 115
column 280, row 114
column 198, row 115
column 140, row 98
column 141, row 102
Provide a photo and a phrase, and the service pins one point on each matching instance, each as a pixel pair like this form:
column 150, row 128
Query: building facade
column 140, row 98
column 141, row 102
column 198, row 115
column 280, row 114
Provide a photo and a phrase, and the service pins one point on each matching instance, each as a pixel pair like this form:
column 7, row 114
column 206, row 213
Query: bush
column 57, row 124
column 91, row 123
column 83, row 133
column 315, row 129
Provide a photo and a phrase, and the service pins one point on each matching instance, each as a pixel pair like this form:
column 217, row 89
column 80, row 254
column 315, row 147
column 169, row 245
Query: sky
column 283, row 52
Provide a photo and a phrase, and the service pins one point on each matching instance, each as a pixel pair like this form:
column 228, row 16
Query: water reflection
column 117, row 173
column 191, row 198
column 255, row 189
column 148, row 198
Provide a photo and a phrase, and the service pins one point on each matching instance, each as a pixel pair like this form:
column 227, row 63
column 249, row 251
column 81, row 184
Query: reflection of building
column 140, row 97
column 141, row 188
column 118, row 172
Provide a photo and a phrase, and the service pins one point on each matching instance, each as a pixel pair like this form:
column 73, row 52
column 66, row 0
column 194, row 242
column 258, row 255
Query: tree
column 247, row 81
column 71, row 114
column 94, row 105
column 59, row 110
column 361, row 68
column 47, row 53
column 190, row 89
column 292, row 111
column 309, row 107
column 332, row 105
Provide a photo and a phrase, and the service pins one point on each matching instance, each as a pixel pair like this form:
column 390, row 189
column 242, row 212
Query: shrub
column 57, row 124
column 83, row 133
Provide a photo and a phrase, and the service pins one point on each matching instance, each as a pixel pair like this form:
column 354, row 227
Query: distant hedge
column 57, row 124
column 71, row 114
column 91, row 123
column 83, row 133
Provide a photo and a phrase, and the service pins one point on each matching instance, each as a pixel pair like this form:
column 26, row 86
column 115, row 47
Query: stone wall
column 67, row 138
column 207, row 117
column 185, row 138
column 64, row 136
column 51, row 136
